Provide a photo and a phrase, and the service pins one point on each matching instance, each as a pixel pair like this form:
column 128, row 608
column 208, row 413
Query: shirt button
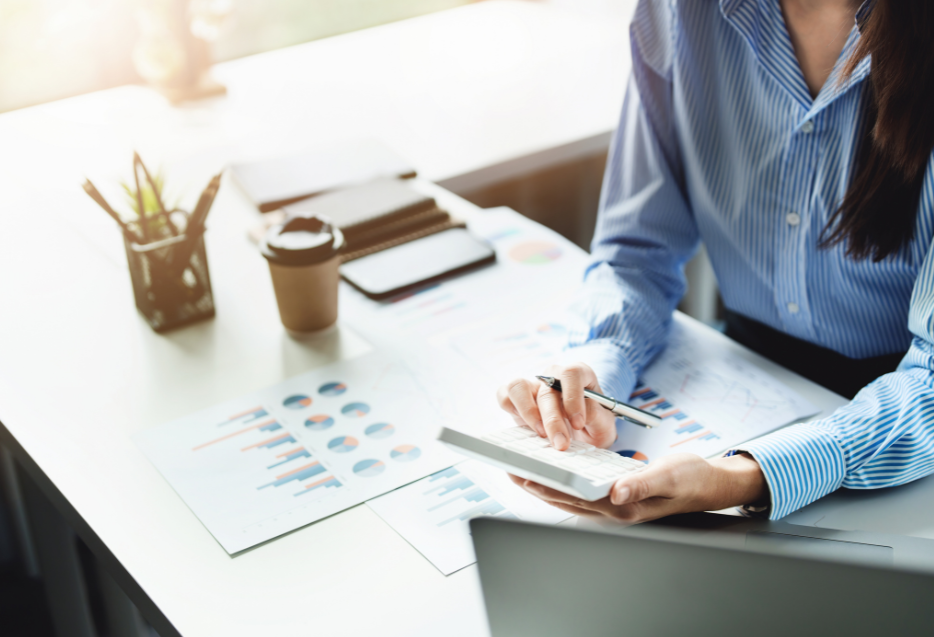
column 793, row 308
column 807, row 127
column 793, row 218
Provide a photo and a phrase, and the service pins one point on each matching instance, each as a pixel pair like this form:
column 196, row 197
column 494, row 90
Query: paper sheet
column 532, row 263
column 709, row 400
column 275, row 460
column 536, row 270
column 433, row 513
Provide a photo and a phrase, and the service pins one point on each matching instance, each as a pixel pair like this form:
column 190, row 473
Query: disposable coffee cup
column 303, row 255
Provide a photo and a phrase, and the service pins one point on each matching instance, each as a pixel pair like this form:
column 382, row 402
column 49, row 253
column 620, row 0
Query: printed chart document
column 532, row 264
column 709, row 400
column 433, row 513
column 265, row 464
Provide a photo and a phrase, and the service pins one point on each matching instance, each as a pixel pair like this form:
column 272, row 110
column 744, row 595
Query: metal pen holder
column 168, row 293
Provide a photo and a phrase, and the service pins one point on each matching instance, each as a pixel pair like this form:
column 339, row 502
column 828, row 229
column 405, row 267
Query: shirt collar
column 762, row 25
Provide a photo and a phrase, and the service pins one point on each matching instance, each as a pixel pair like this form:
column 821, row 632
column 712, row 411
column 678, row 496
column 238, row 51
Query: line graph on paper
column 709, row 400
column 730, row 391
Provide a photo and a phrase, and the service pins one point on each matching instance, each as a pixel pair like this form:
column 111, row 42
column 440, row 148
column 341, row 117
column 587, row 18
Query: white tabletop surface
column 80, row 372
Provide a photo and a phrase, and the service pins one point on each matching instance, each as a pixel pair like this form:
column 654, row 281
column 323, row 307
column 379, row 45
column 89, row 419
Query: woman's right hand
column 560, row 416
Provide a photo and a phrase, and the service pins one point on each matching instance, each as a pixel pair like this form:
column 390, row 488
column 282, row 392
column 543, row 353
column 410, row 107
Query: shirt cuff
column 801, row 463
column 615, row 374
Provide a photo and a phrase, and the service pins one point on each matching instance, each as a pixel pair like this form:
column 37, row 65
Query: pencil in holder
column 171, row 281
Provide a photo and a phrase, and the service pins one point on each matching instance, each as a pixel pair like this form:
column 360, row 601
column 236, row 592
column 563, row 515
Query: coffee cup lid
column 302, row 241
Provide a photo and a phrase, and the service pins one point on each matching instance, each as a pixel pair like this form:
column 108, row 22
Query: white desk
column 80, row 372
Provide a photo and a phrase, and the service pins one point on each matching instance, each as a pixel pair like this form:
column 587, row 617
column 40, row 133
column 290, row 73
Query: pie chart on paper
column 319, row 422
column 635, row 455
column 380, row 430
column 369, row 468
column 332, row 389
column 343, row 444
column 298, row 401
column 405, row 453
column 356, row 410
column 535, row 252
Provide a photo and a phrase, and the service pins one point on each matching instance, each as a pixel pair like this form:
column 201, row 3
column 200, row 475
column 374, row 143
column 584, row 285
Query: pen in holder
column 171, row 282
column 165, row 252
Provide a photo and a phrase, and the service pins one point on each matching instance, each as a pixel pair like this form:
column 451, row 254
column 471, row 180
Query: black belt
column 836, row 372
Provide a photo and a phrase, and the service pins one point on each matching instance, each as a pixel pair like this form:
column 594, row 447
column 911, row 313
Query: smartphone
column 397, row 269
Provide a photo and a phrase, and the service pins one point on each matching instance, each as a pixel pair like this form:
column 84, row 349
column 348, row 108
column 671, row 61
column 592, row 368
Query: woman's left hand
column 680, row 483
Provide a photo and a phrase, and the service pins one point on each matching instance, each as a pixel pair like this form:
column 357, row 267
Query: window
column 51, row 49
column 262, row 25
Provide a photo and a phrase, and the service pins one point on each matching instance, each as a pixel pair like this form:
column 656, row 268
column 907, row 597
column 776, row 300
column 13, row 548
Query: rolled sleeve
column 801, row 463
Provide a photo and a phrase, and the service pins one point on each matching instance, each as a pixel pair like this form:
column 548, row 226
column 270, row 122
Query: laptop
column 703, row 574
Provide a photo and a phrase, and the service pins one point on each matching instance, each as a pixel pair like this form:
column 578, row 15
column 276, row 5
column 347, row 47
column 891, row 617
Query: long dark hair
column 877, row 216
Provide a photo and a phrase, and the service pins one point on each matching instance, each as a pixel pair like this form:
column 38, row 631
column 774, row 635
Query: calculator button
column 551, row 454
column 523, row 446
column 593, row 476
column 497, row 438
column 576, row 463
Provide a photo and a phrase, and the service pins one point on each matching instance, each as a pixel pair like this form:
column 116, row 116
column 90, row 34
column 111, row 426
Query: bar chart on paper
column 296, row 452
column 433, row 513
column 679, row 431
column 457, row 491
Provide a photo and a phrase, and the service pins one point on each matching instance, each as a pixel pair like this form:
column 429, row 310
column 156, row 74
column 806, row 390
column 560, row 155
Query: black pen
column 627, row 412
column 96, row 196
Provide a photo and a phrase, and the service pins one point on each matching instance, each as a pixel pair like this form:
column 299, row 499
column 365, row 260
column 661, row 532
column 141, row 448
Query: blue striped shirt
column 720, row 140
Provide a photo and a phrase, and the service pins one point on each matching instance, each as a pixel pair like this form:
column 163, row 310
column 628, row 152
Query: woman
column 793, row 137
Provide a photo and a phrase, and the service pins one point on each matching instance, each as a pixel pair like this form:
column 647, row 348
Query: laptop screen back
column 545, row 581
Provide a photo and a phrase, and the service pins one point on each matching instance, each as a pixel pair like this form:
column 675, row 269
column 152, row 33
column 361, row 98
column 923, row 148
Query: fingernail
column 620, row 495
column 577, row 421
column 540, row 428
column 560, row 441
